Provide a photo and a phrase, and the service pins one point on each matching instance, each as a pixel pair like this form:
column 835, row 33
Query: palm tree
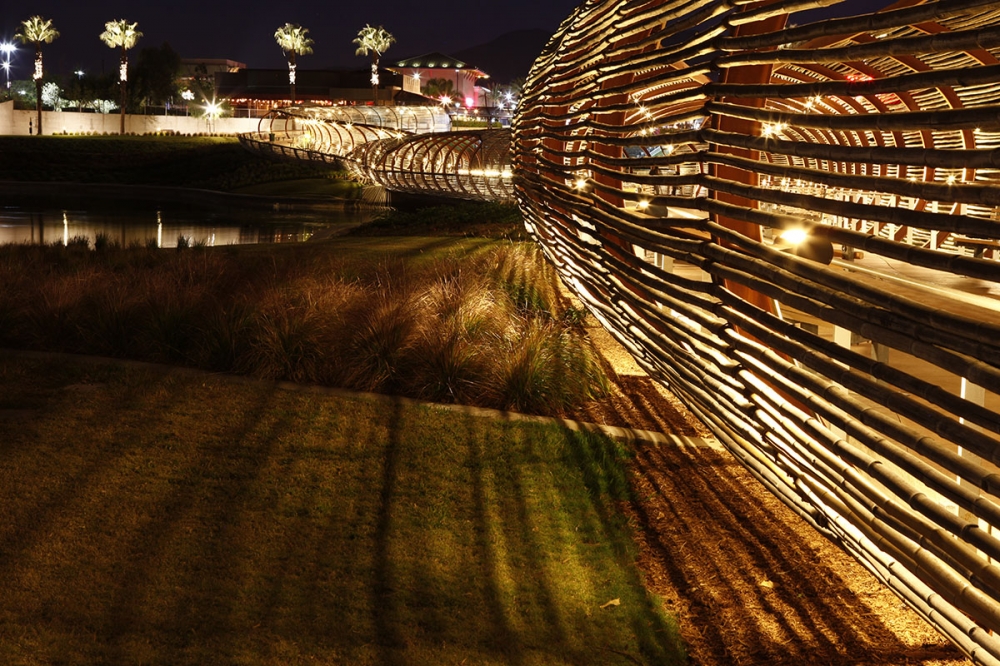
column 35, row 31
column 375, row 41
column 293, row 41
column 121, row 34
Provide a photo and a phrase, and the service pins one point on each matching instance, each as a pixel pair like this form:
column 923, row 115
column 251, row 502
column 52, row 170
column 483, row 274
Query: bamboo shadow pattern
column 716, row 537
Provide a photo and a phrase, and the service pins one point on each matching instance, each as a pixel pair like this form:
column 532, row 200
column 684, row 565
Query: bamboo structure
column 662, row 151
column 471, row 164
column 399, row 148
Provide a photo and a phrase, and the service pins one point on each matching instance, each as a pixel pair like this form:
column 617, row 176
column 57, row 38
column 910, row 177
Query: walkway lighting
column 794, row 236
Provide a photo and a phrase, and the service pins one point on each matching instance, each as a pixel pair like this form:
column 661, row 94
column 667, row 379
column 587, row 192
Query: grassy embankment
column 165, row 518
column 211, row 163
column 150, row 517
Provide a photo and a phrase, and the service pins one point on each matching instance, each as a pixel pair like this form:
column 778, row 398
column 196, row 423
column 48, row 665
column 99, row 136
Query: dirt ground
column 750, row 582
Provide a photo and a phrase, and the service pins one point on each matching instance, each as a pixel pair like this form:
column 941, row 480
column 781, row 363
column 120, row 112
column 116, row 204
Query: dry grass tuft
column 476, row 323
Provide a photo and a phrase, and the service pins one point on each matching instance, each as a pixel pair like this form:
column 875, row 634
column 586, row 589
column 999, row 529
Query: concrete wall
column 14, row 121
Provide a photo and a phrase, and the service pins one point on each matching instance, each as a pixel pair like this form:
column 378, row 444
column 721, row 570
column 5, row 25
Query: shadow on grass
column 174, row 519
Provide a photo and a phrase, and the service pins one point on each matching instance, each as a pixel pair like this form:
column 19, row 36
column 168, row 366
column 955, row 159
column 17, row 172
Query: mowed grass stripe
column 154, row 518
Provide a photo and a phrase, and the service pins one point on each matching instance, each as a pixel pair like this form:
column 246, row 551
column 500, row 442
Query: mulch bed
column 750, row 582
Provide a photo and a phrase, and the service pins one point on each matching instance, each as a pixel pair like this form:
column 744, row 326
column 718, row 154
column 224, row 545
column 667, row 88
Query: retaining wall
column 15, row 121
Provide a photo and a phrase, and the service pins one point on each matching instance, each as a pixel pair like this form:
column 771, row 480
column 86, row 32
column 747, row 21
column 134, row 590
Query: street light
column 7, row 48
column 213, row 110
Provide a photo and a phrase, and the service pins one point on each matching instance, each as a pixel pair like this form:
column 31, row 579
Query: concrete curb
column 633, row 435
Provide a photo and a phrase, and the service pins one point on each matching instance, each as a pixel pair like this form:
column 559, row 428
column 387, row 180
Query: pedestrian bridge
column 404, row 149
column 769, row 204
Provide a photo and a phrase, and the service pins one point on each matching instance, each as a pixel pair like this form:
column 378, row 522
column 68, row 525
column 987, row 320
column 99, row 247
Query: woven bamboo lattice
column 660, row 149
column 472, row 164
column 404, row 149
column 325, row 134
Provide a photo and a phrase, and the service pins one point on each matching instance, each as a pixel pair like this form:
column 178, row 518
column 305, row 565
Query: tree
column 37, row 31
column 375, row 41
column 293, row 41
column 91, row 91
column 437, row 87
column 156, row 73
column 121, row 34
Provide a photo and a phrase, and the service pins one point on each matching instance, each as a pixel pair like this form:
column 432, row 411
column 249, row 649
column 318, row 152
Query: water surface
column 165, row 225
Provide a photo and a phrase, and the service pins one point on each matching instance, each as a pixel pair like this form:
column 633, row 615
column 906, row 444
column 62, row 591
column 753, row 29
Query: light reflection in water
column 138, row 227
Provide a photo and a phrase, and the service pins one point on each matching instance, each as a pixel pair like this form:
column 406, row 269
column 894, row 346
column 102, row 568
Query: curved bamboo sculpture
column 327, row 134
column 473, row 164
column 660, row 149
column 400, row 148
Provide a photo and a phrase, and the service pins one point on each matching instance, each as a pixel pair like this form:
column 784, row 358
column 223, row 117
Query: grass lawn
column 212, row 163
column 149, row 517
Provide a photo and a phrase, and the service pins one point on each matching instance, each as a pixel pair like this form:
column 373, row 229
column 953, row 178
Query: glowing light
column 643, row 205
column 213, row 109
column 770, row 129
column 123, row 71
column 188, row 95
column 469, row 102
column 581, row 183
column 38, row 67
column 794, row 236
column 951, row 180
column 7, row 48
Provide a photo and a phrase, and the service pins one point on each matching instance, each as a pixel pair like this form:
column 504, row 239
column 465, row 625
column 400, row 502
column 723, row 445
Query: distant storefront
column 317, row 86
column 432, row 74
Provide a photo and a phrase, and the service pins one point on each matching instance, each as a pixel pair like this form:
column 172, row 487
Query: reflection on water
column 164, row 226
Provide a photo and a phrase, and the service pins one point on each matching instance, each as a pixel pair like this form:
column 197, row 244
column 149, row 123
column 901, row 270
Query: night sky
column 243, row 31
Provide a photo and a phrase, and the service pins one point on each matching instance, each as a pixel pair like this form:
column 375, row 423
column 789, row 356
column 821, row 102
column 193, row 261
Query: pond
column 208, row 226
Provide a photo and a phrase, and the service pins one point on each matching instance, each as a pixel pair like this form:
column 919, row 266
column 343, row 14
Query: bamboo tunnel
column 661, row 152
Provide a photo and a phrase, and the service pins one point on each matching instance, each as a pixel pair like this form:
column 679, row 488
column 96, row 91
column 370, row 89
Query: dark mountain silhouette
column 507, row 57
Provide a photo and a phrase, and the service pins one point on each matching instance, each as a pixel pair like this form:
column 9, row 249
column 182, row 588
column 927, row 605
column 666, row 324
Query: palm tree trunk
column 124, row 67
column 292, row 74
column 375, row 77
column 38, row 104
column 38, row 90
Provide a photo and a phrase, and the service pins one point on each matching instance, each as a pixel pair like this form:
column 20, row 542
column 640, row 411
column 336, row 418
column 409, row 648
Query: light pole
column 7, row 48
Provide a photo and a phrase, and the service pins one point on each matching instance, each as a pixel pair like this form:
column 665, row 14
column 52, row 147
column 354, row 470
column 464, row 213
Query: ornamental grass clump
column 482, row 323
column 380, row 349
column 519, row 270
column 545, row 369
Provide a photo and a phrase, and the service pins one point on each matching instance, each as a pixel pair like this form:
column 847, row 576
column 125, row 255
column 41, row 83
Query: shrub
column 486, row 327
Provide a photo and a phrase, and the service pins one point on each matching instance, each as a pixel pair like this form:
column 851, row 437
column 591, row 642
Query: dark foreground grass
column 459, row 218
column 211, row 163
column 158, row 518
